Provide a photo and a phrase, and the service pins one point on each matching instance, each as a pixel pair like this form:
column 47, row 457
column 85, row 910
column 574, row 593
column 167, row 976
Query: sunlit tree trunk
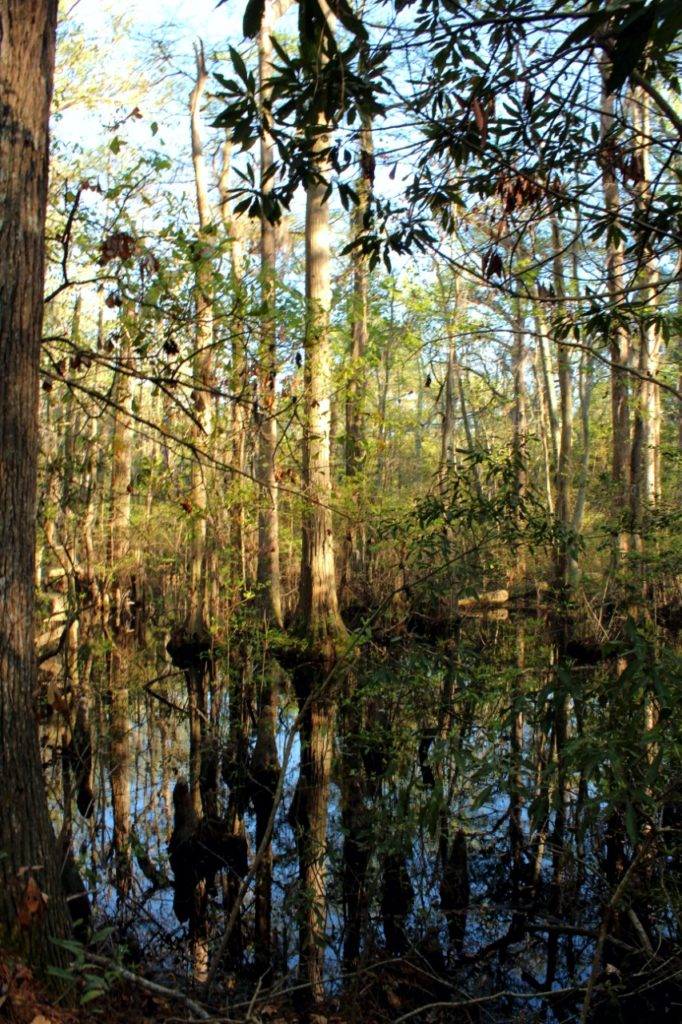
column 469, row 426
column 354, row 556
column 239, row 384
column 196, row 621
column 585, row 385
column 317, row 615
column 544, row 424
column 119, row 609
column 93, row 457
column 318, row 608
column 550, row 392
column 268, row 572
column 191, row 646
column 520, row 416
column 27, row 921
column 448, row 460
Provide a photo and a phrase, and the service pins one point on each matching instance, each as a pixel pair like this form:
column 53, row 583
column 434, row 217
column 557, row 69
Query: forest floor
column 24, row 1000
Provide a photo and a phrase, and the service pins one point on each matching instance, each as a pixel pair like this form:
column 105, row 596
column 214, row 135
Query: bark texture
column 28, row 867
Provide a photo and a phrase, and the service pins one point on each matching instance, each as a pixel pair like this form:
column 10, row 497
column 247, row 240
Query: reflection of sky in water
column 162, row 938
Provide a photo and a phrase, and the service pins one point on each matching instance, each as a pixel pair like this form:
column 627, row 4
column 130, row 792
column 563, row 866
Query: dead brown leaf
column 33, row 903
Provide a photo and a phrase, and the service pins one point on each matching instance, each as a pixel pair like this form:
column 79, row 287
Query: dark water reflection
column 443, row 718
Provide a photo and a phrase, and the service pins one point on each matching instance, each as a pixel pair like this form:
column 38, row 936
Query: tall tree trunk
column 564, row 463
column 619, row 342
column 318, row 610
column 196, row 621
column 544, row 424
column 355, row 548
column 120, row 618
column 549, row 382
column 448, row 459
column 268, row 571
column 646, row 428
column 27, row 920
column 197, row 660
column 520, row 416
column 239, row 384
column 469, row 427
column 317, row 615
column 585, row 386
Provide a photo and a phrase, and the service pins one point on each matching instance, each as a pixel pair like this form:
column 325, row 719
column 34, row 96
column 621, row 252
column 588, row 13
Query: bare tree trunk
column 544, row 424
column 239, row 384
column 564, row 464
column 120, row 619
column 585, row 390
column 549, row 382
column 619, row 343
column 355, row 548
column 448, row 459
column 318, row 608
column 646, row 429
column 520, row 416
column 27, row 920
column 196, row 620
column 317, row 615
column 268, row 572
column 469, row 430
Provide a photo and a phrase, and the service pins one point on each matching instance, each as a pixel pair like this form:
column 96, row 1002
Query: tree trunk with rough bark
column 120, row 610
column 28, row 868
column 318, row 619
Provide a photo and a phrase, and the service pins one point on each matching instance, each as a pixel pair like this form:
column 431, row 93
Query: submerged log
column 487, row 598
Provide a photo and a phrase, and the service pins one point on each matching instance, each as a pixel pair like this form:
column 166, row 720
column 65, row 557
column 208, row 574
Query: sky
column 195, row 17
column 123, row 68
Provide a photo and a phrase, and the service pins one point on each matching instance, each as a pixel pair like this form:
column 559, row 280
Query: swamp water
column 495, row 810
